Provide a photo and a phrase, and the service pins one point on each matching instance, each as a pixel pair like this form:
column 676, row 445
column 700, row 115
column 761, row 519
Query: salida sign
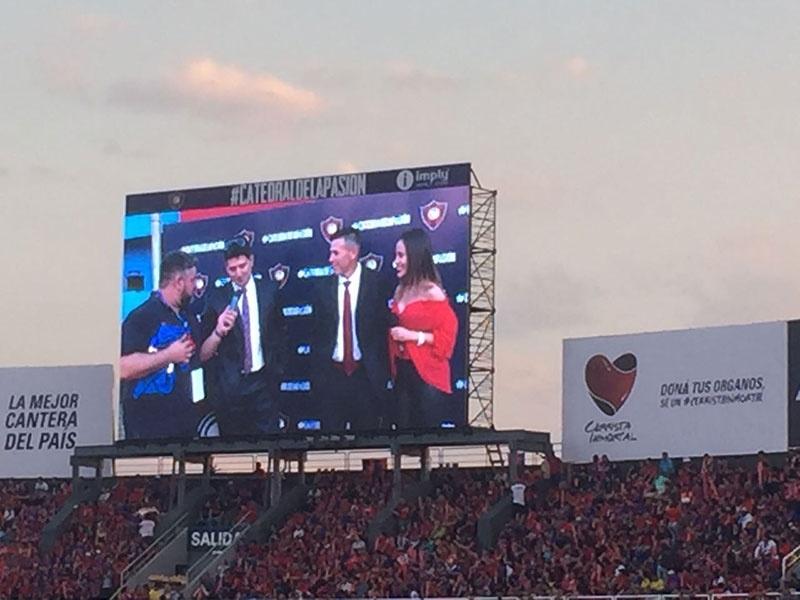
column 205, row 539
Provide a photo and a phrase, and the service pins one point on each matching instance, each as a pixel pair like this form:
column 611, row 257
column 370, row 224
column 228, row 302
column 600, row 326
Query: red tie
column 348, row 362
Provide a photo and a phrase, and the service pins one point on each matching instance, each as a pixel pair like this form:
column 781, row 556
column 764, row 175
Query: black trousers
column 419, row 404
column 348, row 401
column 251, row 409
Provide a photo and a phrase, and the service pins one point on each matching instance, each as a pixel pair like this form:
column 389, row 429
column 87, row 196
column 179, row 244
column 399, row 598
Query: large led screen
column 326, row 303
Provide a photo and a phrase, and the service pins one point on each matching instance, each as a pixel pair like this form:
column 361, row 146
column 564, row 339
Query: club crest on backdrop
column 372, row 261
column 200, row 285
column 247, row 235
column 279, row 274
column 330, row 226
column 433, row 214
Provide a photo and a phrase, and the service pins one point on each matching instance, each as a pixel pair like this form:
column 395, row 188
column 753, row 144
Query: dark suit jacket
column 224, row 370
column 371, row 324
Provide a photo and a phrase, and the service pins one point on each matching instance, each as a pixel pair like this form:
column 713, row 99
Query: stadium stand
column 642, row 528
column 635, row 529
column 26, row 507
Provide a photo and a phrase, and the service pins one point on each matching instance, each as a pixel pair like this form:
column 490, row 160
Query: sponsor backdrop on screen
column 720, row 390
column 288, row 225
column 47, row 411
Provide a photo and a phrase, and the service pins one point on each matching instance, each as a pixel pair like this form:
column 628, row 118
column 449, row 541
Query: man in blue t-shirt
column 665, row 466
column 159, row 342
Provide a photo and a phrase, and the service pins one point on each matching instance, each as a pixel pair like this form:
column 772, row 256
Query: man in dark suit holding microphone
column 350, row 340
column 245, row 346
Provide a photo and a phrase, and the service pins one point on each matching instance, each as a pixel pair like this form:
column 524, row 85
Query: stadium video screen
column 325, row 303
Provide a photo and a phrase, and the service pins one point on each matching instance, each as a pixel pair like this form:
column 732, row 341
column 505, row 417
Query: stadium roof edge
column 517, row 439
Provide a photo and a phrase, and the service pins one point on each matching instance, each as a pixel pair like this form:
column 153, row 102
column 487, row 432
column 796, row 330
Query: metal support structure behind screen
column 480, row 397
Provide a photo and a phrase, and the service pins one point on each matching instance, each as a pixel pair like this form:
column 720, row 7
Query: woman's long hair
column 419, row 260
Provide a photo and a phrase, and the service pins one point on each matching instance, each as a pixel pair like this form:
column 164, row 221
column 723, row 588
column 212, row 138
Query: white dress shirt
column 146, row 528
column 355, row 284
column 518, row 494
column 255, row 323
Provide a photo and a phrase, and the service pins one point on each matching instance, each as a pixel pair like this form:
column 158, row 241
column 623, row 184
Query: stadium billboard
column 283, row 370
column 793, row 380
column 717, row 390
column 45, row 412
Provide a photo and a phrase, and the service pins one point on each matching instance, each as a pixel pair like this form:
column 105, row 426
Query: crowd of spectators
column 233, row 499
column 324, row 550
column 649, row 527
column 435, row 543
column 646, row 527
column 26, row 507
column 102, row 537
column 661, row 526
column 306, row 555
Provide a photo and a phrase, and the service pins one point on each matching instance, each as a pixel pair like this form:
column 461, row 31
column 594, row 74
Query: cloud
column 332, row 76
column 528, row 384
column 112, row 148
column 210, row 81
column 68, row 64
column 94, row 24
column 577, row 67
column 749, row 275
column 543, row 299
column 64, row 74
column 139, row 95
column 210, row 88
column 406, row 75
column 346, row 166
column 45, row 173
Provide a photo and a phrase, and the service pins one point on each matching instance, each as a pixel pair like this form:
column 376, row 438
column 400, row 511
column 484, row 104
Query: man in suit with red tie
column 245, row 346
column 350, row 346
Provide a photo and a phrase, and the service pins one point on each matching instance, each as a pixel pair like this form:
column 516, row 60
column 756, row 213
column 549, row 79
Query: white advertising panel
column 720, row 390
column 46, row 411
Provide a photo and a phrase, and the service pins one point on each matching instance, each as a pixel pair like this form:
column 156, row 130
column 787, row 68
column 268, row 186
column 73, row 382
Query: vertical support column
column 275, row 486
column 397, row 474
column 173, row 485
column 301, row 468
column 513, row 459
column 267, row 485
column 265, row 491
column 76, row 477
column 98, row 474
column 206, row 483
column 181, row 481
column 425, row 464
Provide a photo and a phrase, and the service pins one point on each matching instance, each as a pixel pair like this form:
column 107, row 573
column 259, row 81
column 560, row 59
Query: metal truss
column 483, row 250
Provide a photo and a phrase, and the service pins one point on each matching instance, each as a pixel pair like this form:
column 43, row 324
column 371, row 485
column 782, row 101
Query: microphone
column 233, row 304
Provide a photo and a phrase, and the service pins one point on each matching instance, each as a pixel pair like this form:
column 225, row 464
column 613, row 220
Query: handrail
column 148, row 553
column 788, row 561
column 212, row 555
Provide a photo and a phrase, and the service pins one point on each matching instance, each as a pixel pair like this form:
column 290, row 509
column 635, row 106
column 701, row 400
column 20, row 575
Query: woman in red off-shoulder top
column 422, row 342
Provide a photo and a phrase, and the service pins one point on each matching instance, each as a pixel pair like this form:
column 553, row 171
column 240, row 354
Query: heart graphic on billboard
column 609, row 383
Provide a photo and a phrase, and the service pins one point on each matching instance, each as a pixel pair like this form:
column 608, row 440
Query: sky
column 645, row 153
